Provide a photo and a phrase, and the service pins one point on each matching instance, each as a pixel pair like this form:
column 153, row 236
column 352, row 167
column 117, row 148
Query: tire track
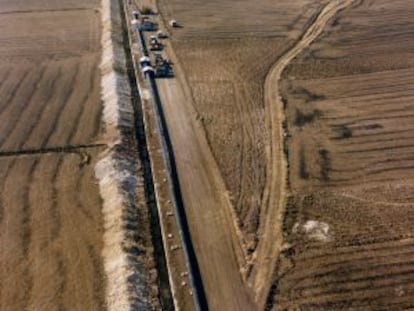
column 80, row 113
column 368, row 296
column 271, row 236
column 84, row 233
column 246, row 133
column 346, row 286
column 77, row 200
column 46, row 93
column 54, row 210
column 27, row 230
column 344, row 250
column 61, row 264
column 58, row 149
column 359, row 265
column 17, row 87
column 66, row 101
column 3, row 79
column 3, row 178
column 97, row 270
column 17, row 230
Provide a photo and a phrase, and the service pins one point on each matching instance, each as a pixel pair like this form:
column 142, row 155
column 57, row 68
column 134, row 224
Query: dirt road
column 51, row 224
column 271, row 237
column 206, row 204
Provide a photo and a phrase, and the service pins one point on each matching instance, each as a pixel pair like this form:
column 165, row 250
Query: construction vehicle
column 173, row 23
column 161, row 34
column 147, row 25
column 144, row 61
column 135, row 14
column 148, row 72
column 163, row 68
column 155, row 44
column 144, row 23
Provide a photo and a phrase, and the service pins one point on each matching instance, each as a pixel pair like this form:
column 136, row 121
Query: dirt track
column 271, row 233
column 50, row 209
column 349, row 111
column 205, row 203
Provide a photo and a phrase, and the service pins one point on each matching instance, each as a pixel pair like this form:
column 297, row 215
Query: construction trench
column 157, row 240
column 342, row 237
column 133, row 33
column 274, row 188
column 124, row 119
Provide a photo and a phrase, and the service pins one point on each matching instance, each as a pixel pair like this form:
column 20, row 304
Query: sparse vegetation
column 146, row 10
column 325, row 164
column 307, row 95
column 347, row 123
column 303, row 172
column 301, row 118
column 344, row 132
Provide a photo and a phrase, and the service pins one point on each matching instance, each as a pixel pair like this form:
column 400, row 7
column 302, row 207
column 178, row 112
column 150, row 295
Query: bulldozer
column 155, row 44
column 163, row 67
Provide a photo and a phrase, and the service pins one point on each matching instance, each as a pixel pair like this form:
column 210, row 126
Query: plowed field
column 224, row 80
column 350, row 115
column 345, row 91
column 50, row 209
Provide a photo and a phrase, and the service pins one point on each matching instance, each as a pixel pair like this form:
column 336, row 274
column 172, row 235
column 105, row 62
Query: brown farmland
column 50, row 209
column 333, row 233
column 349, row 102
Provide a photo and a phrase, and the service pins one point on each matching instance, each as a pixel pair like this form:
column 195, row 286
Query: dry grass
column 226, row 77
column 347, row 101
column 51, row 224
column 358, row 155
column 237, row 142
column 225, row 64
column 51, row 234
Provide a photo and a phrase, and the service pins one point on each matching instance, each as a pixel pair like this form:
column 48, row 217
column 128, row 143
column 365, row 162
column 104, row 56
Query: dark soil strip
column 64, row 149
column 45, row 10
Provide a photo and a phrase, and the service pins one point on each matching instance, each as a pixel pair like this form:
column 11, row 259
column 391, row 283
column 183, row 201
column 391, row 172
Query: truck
column 163, row 67
column 155, row 44
column 147, row 25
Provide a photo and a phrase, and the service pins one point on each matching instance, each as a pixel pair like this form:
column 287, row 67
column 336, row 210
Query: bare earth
column 223, row 93
column 321, row 203
column 350, row 112
column 50, row 209
column 209, row 224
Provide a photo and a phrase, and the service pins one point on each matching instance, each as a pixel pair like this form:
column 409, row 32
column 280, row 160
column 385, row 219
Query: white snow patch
column 314, row 230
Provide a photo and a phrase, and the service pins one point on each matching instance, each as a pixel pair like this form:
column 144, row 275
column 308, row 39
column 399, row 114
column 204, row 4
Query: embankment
column 127, row 253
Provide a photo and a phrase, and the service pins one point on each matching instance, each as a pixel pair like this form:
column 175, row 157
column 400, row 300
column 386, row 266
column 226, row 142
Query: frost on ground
column 128, row 257
column 314, row 230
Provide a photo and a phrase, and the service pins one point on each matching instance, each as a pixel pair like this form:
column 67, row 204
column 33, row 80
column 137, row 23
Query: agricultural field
column 226, row 74
column 349, row 105
column 306, row 108
column 51, row 226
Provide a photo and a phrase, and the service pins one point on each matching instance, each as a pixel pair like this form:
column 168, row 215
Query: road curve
column 271, row 235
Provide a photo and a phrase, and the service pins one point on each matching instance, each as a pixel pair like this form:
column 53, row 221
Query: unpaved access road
column 51, row 223
column 271, row 236
column 206, row 204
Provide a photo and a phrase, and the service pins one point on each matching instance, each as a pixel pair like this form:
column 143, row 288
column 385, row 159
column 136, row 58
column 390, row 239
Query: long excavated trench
column 159, row 252
column 133, row 253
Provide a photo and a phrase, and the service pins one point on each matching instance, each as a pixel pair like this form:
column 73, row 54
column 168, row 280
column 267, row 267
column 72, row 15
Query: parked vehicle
column 162, row 35
column 173, row 23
